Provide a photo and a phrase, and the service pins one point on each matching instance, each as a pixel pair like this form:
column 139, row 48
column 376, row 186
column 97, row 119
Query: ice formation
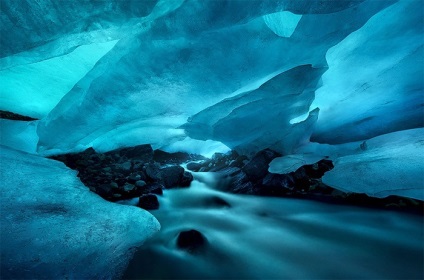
column 19, row 135
column 152, row 81
column 260, row 119
column 374, row 83
column 66, row 230
column 247, row 75
column 311, row 79
column 388, row 164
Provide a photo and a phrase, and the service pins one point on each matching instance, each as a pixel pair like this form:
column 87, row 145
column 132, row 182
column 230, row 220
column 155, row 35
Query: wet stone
column 148, row 202
column 192, row 241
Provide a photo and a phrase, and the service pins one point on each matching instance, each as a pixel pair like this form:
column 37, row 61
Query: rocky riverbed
column 142, row 172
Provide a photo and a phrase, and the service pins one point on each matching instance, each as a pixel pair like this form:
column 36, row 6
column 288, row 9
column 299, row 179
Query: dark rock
column 317, row 170
column 129, row 187
column 148, row 202
column 240, row 161
column 140, row 152
column 124, row 167
column 107, row 169
column 171, row 176
column 230, row 171
column 238, row 182
column 194, row 166
column 257, row 167
column 219, row 161
column 140, row 183
column 134, row 177
column 153, row 188
column 244, row 188
column 153, row 172
column 174, row 176
column 13, row 116
column 186, row 179
column 276, row 185
column 138, row 166
column 191, row 240
column 104, row 191
column 122, row 174
column 87, row 153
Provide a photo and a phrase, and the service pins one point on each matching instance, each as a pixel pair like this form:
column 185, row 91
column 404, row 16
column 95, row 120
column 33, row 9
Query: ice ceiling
column 188, row 74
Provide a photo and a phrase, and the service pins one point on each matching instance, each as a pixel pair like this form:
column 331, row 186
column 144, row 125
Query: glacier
column 207, row 76
column 59, row 227
column 309, row 79
column 176, row 69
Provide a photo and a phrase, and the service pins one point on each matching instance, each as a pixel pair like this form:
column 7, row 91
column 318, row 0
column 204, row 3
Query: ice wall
column 47, row 81
column 53, row 227
column 26, row 25
column 374, row 84
column 150, row 83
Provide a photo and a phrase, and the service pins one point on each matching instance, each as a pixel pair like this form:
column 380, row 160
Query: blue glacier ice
column 151, row 82
column 311, row 79
column 180, row 75
column 53, row 227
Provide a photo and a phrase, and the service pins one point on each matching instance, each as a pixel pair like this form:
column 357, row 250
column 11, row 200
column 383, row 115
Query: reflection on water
column 277, row 238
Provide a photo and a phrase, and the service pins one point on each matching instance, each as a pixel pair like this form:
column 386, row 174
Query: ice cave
column 212, row 139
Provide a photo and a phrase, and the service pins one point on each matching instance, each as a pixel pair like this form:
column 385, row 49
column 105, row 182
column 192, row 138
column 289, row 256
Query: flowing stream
column 277, row 238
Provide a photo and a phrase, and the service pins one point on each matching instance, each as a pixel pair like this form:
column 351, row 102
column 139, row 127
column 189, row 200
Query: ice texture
column 309, row 79
column 282, row 23
column 390, row 164
column 19, row 135
column 42, row 87
column 53, row 227
column 290, row 163
column 240, row 121
column 153, row 80
column 374, row 84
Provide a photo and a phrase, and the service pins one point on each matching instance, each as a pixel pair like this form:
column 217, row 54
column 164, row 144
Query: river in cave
column 277, row 238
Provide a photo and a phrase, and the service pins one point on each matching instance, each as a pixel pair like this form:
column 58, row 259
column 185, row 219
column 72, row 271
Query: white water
column 277, row 238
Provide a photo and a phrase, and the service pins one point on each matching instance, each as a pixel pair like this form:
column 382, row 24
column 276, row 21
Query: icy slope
column 390, row 164
column 67, row 231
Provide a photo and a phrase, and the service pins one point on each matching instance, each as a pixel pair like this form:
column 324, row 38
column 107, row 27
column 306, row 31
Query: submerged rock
column 216, row 201
column 191, row 240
